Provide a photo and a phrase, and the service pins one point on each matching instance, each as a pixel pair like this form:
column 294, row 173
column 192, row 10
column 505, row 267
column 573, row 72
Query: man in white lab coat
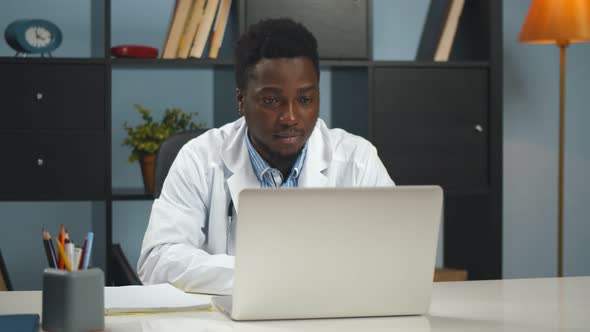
column 278, row 142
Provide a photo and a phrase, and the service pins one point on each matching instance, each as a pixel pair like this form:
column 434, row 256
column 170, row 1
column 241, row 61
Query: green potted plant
column 145, row 138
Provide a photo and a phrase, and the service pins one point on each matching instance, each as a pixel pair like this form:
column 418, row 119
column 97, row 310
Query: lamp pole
column 562, row 46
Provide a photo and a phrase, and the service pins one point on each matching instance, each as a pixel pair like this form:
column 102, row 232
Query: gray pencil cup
column 73, row 301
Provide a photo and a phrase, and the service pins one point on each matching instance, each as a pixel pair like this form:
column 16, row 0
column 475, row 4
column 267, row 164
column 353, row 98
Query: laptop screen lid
column 335, row 252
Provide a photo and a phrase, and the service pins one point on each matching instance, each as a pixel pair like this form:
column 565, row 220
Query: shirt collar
column 261, row 166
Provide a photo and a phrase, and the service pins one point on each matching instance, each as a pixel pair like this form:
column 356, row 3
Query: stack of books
column 192, row 26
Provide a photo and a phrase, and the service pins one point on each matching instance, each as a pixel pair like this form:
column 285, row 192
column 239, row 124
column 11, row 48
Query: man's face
column 280, row 106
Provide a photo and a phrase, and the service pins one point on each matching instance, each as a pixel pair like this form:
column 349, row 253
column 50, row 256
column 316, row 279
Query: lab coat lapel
column 237, row 161
column 319, row 155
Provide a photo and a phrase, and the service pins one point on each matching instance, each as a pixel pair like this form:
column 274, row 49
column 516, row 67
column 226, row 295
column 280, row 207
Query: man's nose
column 288, row 114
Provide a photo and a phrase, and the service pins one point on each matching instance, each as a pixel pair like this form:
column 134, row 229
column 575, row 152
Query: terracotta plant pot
column 147, row 162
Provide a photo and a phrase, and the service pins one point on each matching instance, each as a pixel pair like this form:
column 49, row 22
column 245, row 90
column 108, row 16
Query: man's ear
column 240, row 99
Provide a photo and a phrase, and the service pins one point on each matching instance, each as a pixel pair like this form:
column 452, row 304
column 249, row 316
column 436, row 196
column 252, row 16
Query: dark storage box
column 340, row 26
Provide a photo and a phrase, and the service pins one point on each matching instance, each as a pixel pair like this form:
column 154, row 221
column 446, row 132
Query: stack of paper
column 153, row 298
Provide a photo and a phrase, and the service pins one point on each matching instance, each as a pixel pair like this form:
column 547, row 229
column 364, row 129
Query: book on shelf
column 168, row 34
column 204, row 27
column 219, row 28
column 440, row 27
column 181, row 11
column 449, row 31
column 190, row 28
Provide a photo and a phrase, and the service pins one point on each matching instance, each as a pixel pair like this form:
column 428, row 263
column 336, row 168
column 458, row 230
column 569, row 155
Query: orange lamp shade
column 557, row 22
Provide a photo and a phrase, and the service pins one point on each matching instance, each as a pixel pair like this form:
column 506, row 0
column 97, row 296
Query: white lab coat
column 207, row 174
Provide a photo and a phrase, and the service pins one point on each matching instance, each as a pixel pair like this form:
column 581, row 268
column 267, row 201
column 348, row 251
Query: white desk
column 502, row 305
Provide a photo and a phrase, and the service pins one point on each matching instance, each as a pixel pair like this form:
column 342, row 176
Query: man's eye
column 305, row 100
column 270, row 100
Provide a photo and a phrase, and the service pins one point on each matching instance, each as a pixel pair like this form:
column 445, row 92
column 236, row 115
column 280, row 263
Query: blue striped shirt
column 271, row 177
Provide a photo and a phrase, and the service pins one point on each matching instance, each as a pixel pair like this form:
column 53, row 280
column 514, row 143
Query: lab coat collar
column 235, row 156
column 319, row 156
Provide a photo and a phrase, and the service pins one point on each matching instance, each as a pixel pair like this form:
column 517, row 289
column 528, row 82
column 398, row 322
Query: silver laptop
column 334, row 252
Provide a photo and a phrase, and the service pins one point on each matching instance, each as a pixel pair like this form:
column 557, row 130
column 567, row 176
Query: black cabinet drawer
column 68, row 97
column 15, row 108
column 74, row 165
column 430, row 125
column 340, row 26
column 50, row 96
column 49, row 166
column 17, row 165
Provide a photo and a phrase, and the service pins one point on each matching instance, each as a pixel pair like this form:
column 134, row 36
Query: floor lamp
column 559, row 22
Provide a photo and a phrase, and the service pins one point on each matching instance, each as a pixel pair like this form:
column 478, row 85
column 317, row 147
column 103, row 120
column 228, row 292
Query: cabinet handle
column 479, row 128
column 39, row 96
column 40, row 161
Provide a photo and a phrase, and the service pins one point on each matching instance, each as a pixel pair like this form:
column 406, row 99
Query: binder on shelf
column 204, row 28
column 447, row 37
column 219, row 28
column 176, row 28
column 439, row 29
column 190, row 28
column 169, row 29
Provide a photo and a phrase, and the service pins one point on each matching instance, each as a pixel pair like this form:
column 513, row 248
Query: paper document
column 152, row 298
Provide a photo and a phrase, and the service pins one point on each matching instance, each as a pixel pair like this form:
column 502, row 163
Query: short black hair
column 273, row 38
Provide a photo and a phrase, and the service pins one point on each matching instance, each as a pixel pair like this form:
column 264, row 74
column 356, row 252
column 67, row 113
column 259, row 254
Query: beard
column 275, row 158
column 278, row 158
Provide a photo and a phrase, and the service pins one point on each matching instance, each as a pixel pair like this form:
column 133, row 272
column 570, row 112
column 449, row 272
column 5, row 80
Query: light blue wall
column 130, row 219
column 154, row 89
column 140, row 22
column 20, row 238
column 530, row 154
column 325, row 96
column 397, row 28
column 577, row 161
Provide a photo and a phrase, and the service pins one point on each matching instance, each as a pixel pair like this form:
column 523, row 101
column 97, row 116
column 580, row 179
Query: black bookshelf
column 131, row 194
column 431, row 64
column 168, row 63
column 57, row 61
